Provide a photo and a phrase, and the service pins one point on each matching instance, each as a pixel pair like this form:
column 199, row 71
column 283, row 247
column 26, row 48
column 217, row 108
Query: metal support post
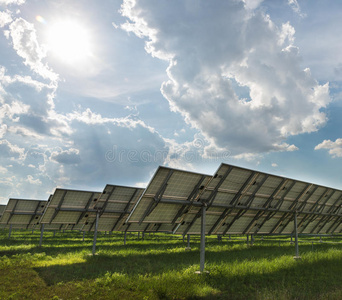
column 247, row 239
column 10, row 231
column 139, row 235
column 188, row 242
column 54, row 233
column 143, row 235
column 202, row 250
column 125, row 235
column 41, row 235
column 83, row 236
column 252, row 239
column 296, row 237
column 95, row 232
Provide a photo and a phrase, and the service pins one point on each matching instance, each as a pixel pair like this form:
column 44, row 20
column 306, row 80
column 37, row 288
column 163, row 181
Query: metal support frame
column 125, row 212
column 83, row 236
column 296, row 236
column 10, row 231
column 266, row 205
column 12, row 212
column 233, row 204
column 202, row 245
column 125, row 237
column 41, row 235
column 156, row 198
column 192, row 197
column 95, row 232
column 188, row 247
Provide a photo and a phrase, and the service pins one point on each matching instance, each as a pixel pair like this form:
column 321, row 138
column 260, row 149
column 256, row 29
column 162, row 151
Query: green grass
column 159, row 267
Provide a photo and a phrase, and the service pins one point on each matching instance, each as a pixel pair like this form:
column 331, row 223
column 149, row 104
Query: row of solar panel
column 237, row 201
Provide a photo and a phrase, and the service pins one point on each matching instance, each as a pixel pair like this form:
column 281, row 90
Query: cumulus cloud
column 69, row 156
column 25, row 42
column 5, row 18
column 35, row 113
column 211, row 61
column 296, row 8
column 31, row 180
column 335, row 148
column 10, row 150
column 15, row 2
column 252, row 4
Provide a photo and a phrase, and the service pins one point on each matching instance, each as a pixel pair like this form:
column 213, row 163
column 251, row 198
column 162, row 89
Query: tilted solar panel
column 167, row 198
column 22, row 213
column 68, row 206
column 114, row 205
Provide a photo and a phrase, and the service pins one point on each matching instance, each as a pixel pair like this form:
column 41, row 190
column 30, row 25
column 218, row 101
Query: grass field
column 159, row 267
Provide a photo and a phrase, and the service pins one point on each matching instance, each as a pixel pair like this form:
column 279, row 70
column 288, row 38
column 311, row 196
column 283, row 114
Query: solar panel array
column 237, row 201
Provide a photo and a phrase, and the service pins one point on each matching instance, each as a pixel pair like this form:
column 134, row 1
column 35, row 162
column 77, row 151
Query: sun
column 69, row 41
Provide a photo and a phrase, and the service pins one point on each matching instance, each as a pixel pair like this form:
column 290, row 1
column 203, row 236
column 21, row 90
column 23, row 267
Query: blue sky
column 103, row 92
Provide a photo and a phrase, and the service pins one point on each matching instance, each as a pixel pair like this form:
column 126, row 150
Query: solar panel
column 115, row 203
column 22, row 213
column 166, row 199
column 2, row 209
column 68, row 206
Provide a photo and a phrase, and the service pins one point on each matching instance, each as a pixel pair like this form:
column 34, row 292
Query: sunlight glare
column 69, row 42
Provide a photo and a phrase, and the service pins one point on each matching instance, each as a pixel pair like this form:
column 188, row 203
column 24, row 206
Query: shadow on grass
column 300, row 280
column 158, row 263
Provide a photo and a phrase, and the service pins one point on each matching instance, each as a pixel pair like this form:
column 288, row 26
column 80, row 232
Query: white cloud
column 5, row 18
column 296, row 8
column 252, row 4
column 8, row 2
column 3, row 170
column 274, row 165
column 69, row 156
column 30, row 180
column 25, row 42
column 335, row 148
column 209, row 59
column 8, row 149
column 3, row 130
